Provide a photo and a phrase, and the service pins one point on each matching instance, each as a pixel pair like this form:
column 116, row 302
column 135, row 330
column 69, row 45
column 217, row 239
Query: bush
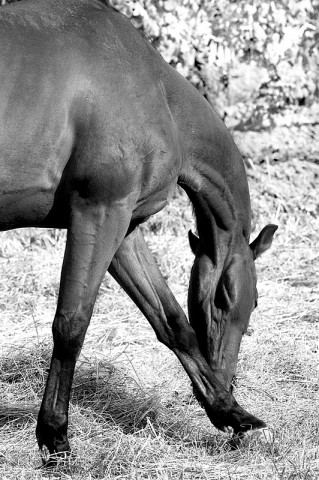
column 251, row 60
column 233, row 51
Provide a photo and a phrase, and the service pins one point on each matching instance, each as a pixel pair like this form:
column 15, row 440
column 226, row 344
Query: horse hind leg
column 94, row 235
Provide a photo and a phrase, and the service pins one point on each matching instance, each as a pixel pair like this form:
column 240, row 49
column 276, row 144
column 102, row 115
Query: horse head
column 222, row 296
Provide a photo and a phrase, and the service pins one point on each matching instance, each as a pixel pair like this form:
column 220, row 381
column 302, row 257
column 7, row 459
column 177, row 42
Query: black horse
column 96, row 130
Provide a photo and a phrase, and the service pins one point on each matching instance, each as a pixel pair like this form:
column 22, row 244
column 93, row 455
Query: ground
column 132, row 414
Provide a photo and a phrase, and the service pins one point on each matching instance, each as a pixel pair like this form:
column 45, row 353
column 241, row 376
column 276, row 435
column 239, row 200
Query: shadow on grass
column 22, row 376
column 102, row 390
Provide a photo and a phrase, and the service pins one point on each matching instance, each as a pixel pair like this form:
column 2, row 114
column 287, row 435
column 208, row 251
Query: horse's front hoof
column 232, row 417
column 263, row 436
column 52, row 436
column 52, row 460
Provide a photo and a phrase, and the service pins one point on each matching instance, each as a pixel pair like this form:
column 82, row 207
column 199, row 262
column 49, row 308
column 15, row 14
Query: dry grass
column 132, row 414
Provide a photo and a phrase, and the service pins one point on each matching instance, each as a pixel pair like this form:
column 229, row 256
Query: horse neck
column 222, row 222
column 212, row 171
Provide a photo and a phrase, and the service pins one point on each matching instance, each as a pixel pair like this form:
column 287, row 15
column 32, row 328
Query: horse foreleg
column 94, row 235
column 136, row 271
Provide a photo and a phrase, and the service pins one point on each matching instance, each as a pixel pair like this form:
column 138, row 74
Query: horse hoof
column 263, row 435
column 52, row 460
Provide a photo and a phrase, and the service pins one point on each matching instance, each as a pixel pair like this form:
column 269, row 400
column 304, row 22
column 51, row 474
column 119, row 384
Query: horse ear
column 263, row 241
column 193, row 241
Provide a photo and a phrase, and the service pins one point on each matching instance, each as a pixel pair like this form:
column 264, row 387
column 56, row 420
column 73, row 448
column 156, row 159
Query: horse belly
column 27, row 207
column 30, row 176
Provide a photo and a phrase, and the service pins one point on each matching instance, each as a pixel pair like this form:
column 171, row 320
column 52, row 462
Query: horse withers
column 96, row 131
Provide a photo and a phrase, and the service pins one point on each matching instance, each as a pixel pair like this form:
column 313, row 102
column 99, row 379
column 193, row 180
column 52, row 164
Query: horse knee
column 69, row 331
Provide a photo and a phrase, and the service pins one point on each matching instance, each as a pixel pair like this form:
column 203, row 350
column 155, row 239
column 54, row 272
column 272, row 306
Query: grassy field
column 132, row 414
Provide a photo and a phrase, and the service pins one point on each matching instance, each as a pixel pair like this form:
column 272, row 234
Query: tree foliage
column 254, row 58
